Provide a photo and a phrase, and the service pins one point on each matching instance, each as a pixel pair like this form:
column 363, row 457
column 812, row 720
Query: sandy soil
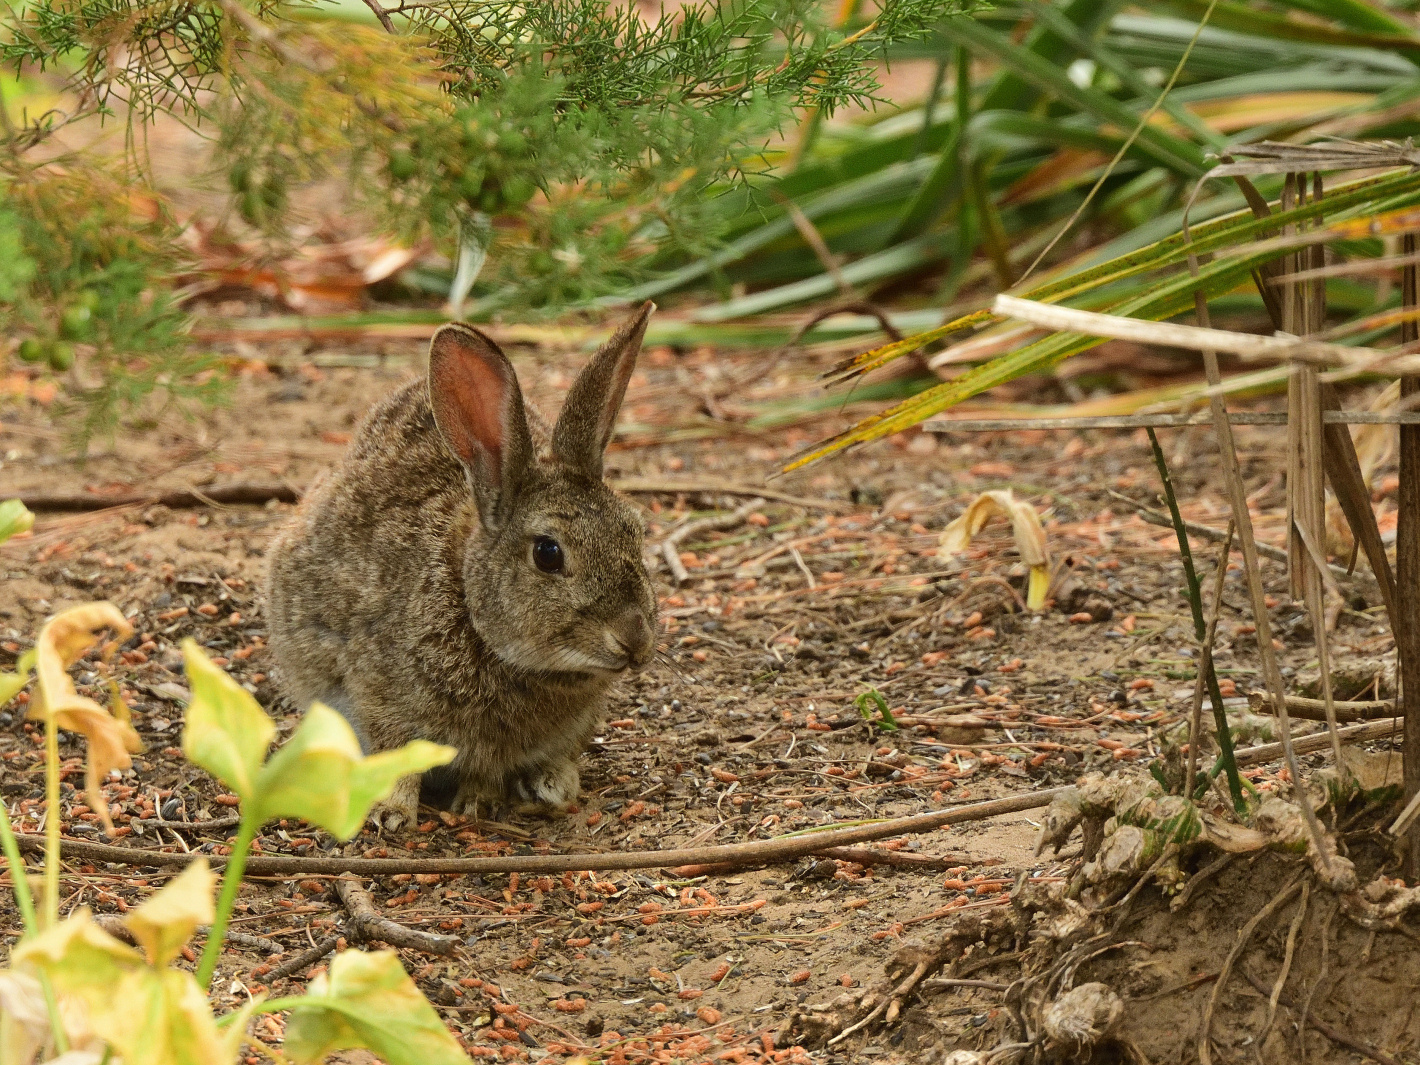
column 746, row 728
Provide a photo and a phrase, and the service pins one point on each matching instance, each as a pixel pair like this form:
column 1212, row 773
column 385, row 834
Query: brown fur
column 404, row 593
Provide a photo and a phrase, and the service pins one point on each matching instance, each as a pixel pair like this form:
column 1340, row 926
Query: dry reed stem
column 1205, row 661
column 1304, row 313
column 1237, row 494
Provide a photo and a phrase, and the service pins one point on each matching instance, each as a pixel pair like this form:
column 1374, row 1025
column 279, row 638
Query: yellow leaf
column 167, row 920
column 80, row 957
column 161, row 1017
column 1029, row 535
column 225, row 731
column 62, row 642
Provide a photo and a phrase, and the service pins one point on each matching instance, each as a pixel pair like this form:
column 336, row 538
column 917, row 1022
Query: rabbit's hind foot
column 401, row 808
column 544, row 787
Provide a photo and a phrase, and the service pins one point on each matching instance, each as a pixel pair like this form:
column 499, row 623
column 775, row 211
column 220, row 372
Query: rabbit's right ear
column 478, row 408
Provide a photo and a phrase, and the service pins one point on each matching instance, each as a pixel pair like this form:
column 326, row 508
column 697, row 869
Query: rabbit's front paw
column 545, row 786
column 401, row 808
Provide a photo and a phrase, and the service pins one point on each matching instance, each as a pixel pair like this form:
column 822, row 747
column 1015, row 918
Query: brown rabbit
column 465, row 576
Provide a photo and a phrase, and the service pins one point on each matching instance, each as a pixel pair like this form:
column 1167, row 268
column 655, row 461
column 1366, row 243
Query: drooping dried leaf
column 1025, row 527
column 62, row 642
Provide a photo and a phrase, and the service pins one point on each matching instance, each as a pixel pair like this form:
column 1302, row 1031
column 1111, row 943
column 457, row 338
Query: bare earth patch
column 746, row 727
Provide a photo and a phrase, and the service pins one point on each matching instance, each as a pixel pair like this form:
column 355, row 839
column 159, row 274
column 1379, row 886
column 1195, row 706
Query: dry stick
column 1337, row 1036
column 1406, row 623
column 234, row 494
column 757, row 852
column 1270, row 752
column 257, row 493
column 1237, row 493
column 302, row 960
column 1205, row 1052
column 1315, row 709
column 733, row 855
column 1205, row 662
column 670, row 545
column 1303, row 313
column 367, row 924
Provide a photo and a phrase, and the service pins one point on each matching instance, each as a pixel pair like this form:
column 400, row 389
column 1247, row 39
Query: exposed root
column 366, row 924
column 1205, row 1027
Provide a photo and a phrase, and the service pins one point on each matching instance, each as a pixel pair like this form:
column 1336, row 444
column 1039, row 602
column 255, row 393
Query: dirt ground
column 746, row 728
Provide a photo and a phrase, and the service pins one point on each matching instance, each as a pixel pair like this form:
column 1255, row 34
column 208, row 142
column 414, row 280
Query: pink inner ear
column 470, row 396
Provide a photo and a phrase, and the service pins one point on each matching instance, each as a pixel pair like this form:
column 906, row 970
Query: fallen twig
column 670, row 546
column 1363, row 733
column 1315, row 709
column 367, row 924
column 303, row 960
column 226, row 494
column 256, row 493
column 757, row 852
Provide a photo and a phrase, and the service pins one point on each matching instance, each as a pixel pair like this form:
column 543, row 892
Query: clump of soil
column 1257, row 945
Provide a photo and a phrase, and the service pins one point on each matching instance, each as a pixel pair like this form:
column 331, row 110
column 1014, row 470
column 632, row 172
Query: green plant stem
column 18, row 876
column 1195, row 602
column 51, row 873
column 24, row 901
column 51, row 821
column 231, row 884
column 270, row 1005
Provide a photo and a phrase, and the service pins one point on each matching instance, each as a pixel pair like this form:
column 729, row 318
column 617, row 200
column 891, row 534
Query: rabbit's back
column 367, row 561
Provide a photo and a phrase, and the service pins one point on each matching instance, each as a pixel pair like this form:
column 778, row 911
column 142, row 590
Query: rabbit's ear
column 478, row 408
column 588, row 416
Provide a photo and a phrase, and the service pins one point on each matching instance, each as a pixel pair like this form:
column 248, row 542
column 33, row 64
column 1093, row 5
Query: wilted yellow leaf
column 225, row 731
column 1029, row 535
column 162, row 1017
column 167, row 920
column 80, row 957
column 62, row 642
column 368, row 1000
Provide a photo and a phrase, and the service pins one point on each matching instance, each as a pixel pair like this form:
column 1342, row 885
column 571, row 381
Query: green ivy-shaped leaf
column 319, row 774
column 369, row 1001
column 225, row 731
column 15, row 518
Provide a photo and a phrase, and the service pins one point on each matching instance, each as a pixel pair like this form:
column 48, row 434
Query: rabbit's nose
column 633, row 634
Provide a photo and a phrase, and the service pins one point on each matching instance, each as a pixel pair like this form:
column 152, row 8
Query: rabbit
column 465, row 575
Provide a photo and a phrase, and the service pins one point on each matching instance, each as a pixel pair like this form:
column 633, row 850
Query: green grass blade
column 1154, row 144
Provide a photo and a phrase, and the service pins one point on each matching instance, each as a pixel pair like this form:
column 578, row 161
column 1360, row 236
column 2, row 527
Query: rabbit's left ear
column 584, row 427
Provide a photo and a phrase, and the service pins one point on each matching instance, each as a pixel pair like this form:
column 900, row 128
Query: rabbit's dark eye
column 547, row 554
